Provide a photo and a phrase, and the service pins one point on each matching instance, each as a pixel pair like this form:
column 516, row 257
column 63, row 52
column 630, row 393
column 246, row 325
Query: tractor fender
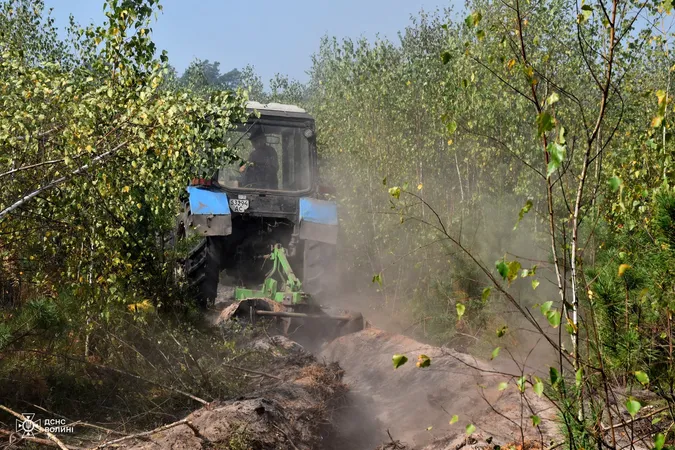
column 318, row 220
column 207, row 213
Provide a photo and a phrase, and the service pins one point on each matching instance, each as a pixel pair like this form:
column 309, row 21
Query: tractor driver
column 263, row 164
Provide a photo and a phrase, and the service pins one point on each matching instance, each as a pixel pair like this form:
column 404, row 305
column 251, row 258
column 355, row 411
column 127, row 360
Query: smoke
column 416, row 405
column 424, row 276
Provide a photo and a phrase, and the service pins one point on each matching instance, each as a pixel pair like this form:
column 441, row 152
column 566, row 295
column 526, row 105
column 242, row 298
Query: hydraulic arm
column 287, row 292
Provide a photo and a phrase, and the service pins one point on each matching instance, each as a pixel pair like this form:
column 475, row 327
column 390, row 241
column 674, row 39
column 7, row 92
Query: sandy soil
column 416, row 404
column 351, row 397
column 292, row 410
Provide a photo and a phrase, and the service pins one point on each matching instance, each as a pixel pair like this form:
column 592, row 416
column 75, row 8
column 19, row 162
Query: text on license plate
column 238, row 205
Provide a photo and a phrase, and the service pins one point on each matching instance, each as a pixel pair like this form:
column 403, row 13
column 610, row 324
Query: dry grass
column 322, row 380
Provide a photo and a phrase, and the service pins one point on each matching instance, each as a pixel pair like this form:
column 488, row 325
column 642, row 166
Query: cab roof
column 278, row 110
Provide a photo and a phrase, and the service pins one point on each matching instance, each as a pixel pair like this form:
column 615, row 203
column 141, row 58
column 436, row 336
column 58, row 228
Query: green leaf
column 399, row 360
column 454, row 419
column 495, row 353
column 659, row 441
column 502, row 268
column 614, row 183
column 524, row 210
column 514, row 268
column 546, row 307
column 586, row 11
column 451, row 127
column 528, row 71
column 522, row 384
column 446, row 56
column 557, row 155
column 395, row 192
column 561, row 136
column 503, row 385
column 663, row 101
column 423, row 361
column 579, row 377
column 532, row 271
column 553, row 373
column 460, row 310
column 502, row 331
column 377, row 278
column 536, row 420
column 569, row 327
column 486, row 294
column 384, row 181
column 552, row 99
column 538, row 387
column 668, row 6
column 545, row 123
column 633, row 406
column 473, row 19
column 470, row 429
column 642, row 377
column 535, row 284
column 553, row 317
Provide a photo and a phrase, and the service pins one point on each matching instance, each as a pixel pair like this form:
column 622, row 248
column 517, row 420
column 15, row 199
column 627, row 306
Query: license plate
column 238, row 205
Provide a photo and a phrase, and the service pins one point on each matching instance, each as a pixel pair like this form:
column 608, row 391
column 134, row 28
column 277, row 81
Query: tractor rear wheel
column 202, row 270
column 320, row 277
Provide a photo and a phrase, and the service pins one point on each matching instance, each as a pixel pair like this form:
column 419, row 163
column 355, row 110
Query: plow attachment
column 281, row 299
column 300, row 320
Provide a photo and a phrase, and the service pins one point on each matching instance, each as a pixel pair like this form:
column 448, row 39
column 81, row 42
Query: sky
column 275, row 36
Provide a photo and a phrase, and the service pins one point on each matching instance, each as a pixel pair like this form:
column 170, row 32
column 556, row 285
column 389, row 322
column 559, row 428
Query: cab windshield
column 272, row 158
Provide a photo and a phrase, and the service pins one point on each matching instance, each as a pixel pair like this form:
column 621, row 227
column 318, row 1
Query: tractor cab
column 268, row 197
column 276, row 151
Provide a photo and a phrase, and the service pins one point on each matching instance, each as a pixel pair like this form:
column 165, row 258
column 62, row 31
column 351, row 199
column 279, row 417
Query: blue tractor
column 267, row 210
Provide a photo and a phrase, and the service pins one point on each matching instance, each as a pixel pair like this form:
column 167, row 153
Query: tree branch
column 58, row 181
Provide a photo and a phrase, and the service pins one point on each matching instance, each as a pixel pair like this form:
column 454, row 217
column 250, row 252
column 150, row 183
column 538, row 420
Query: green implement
column 281, row 298
column 290, row 291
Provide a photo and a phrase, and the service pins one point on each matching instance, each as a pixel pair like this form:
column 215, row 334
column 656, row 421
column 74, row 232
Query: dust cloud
column 417, row 404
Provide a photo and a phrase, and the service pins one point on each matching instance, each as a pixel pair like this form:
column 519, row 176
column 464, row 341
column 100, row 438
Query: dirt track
column 317, row 405
column 291, row 410
column 408, row 400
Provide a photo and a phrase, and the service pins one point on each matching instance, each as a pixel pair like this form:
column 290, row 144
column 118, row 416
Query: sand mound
column 290, row 412
column 416, row 404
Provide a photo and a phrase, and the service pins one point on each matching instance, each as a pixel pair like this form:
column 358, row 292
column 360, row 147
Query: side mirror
column 325, row 189
column 201, row 182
